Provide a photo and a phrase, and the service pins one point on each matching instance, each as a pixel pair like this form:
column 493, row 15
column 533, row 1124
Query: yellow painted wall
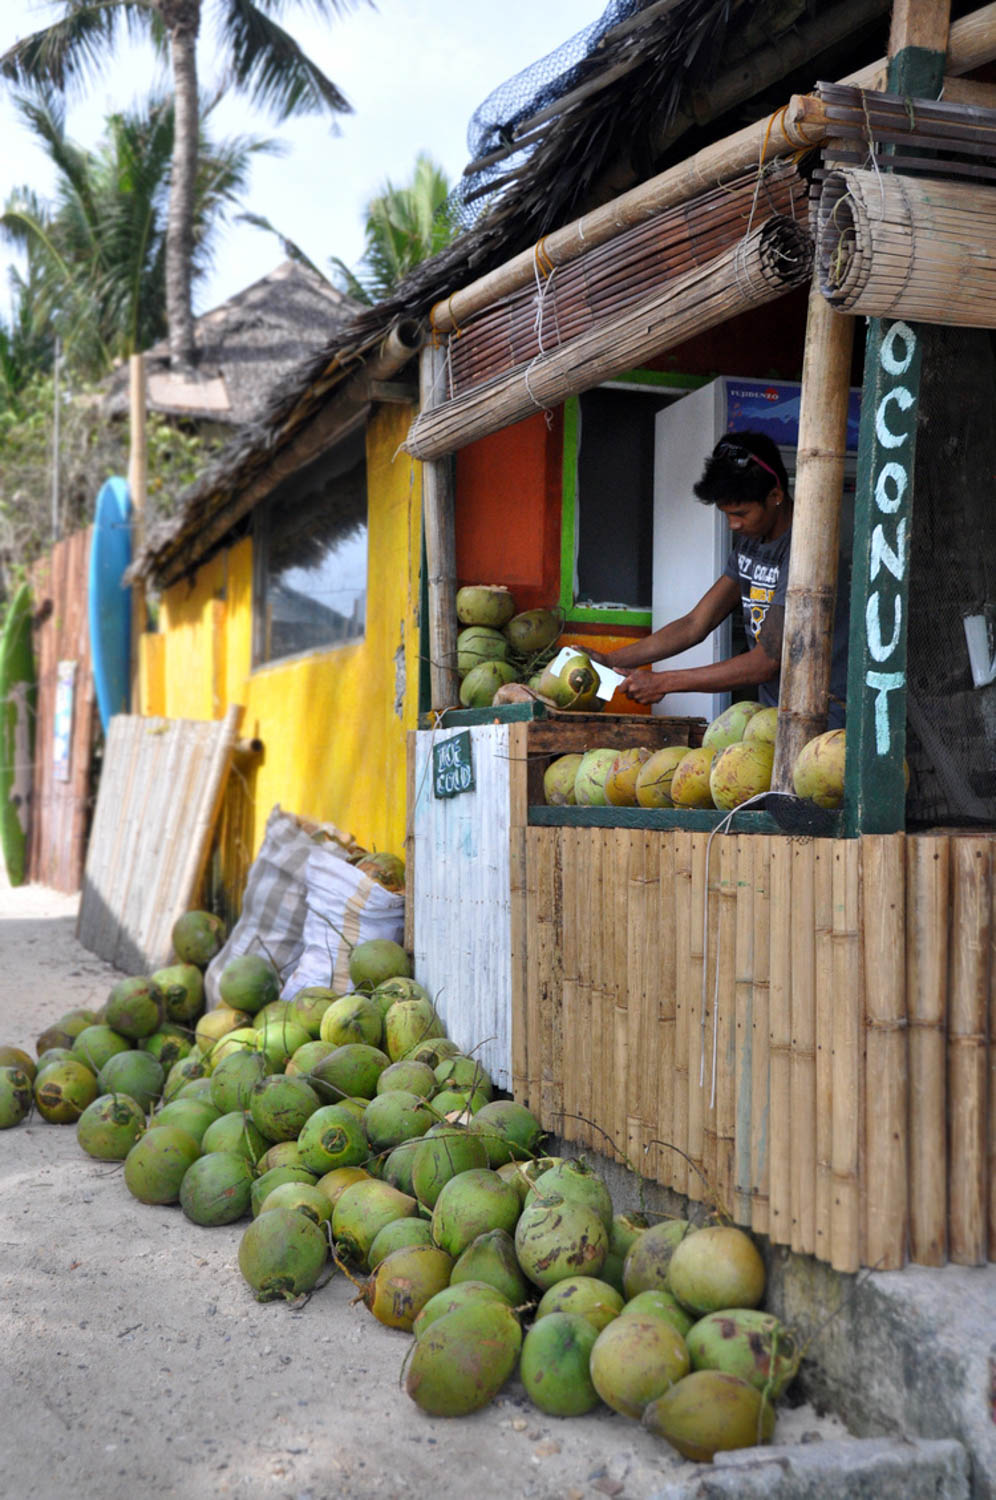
column 332, row 723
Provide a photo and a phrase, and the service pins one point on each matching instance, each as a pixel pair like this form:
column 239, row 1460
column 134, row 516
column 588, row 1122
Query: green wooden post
column 874, row 784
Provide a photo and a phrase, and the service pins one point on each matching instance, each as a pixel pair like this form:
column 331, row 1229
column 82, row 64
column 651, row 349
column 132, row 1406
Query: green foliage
column 404, row 226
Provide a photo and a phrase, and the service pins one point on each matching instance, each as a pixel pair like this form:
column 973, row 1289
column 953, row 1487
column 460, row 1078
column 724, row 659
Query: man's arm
column 749, row 669
column 677, row 635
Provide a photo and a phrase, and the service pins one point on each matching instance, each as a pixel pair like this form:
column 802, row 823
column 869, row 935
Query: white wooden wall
column 462, row 946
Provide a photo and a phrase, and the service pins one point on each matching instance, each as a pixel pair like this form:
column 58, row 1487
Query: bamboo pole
column 887, row 1101
column 725, row 1023
column 709, row 1017
column 780, row 1046
column 927, row 919
column 848, row 1071
column 811, row 595
column 971, row 918
column 616, row 982
column 802, row 1012
column 547, row 988
column 744, row 1043
column 574, row 918
column 760, row 1054
column 138, row 490
column 823, row 954
column 971, row 42
column 674, row 1162
column 440, row 546
column 641, row 932
column 524, row 1027
column 697, row 1022
column 662, row 866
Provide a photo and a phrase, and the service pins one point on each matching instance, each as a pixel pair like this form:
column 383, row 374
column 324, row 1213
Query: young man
column 745, row 478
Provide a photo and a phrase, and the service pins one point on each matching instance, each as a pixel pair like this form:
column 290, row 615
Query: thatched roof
column 661, row 79
column 245, row 349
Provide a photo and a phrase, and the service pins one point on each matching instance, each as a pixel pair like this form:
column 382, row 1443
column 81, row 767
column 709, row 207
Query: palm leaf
column 272, row 68
column 75, row 48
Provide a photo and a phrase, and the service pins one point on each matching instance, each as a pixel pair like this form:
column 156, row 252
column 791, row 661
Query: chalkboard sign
column 453, row 766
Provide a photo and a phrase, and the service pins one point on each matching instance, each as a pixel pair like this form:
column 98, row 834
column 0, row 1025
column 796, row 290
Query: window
column 310, row 557
column 608, row 497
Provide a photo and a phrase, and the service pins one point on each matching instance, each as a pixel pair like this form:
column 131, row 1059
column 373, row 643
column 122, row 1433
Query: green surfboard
column 18, row 689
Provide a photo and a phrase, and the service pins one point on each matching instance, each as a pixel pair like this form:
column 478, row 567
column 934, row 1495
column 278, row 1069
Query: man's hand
column 644, row 687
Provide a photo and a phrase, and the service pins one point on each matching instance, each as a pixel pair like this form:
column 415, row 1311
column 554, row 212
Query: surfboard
column 18, row 691
column 109, row 600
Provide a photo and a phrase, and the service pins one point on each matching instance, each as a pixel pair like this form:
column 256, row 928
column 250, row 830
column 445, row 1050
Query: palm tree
column 264, row 62
column 97, row 255
column 404, row 226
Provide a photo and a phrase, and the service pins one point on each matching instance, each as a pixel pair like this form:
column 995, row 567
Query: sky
column 414, row 71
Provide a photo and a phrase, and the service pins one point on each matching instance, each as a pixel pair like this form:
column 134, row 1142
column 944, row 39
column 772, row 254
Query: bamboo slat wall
column 161, row 790
column 60, row 806
column 798, row 1029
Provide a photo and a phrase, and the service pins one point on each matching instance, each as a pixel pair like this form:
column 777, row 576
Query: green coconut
column 462, row 1360
column 349, row 1072
column 65, row 1030
column 554, row 1367
column 265, row 1184
column 649, row 1259
column 169, row 1045
column 95, row 1044
column 658, row 1303
column 589, row 783
column 310, row 1004
column 15, row 1057
column 216, row 1024
column 433, row 1050
column 587, row 1296
column 63, row 1092
column 248, row 983
column 478, row 688
column 392, row 1118
column 461, row 1072
column 818, row 773
column 730, row 726
column 578, row 1183
column 709, row 1412
column 278, row 1039
column 397, row 1167
column 135, row 1007
column 635, row 1360
column 15, row 1096
column 400, row 987
column 490, row 604
column 361, row 1212
column 491, row 1258
column 276, row 1012
column 509, row 1131
column 469, row 1204
column 386, row 869
column 740, row 772
column 234, row 1078
column 280, row 1106
column 690, row 782
column 109, row 1127
column 280, row 1154
column 192, row 1115
column 746, row 1342
column 717, row 1268
column 215, row 1189
column 653, row 781
column 622, row 1232
column 559, row 778
column 138, row 1074
column 282, row 1254
column 455, row 1295
column 442, row 1153
column 157, row 1163
column 302, row 1197
column 395, row 1236
column 335, row 1183
column 556, row 1238
column 457, row 1104
column 332, row 1137
column 532, row 631
column 187, row 1070
column 372, row 962
column 409, row 1023
column 620, row 782
column 308, row 1056
column 479, row 644
column 413, row 1077
column 236, row 1132
column 242, row 1039
column 197, row 936
column 403, row 1282
column 182, row 989
column 196, row 1088
column 763, row 726
column 353, row 1020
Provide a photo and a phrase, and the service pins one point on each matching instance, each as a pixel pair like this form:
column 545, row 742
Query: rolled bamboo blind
column 890, row 246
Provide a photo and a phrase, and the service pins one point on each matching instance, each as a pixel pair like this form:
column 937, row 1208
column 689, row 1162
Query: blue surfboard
column 109, row 603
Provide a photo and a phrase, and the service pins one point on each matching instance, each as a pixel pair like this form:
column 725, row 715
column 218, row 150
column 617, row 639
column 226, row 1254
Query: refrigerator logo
column 889, row 553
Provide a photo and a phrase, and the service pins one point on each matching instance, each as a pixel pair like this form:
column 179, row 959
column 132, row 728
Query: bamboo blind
column 923, row 136
column 576, row 298
column 795, row 1029
column 890, row 246
column 161, row 790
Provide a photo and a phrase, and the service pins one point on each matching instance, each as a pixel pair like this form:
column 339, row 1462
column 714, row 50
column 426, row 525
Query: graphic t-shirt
column 761, row 569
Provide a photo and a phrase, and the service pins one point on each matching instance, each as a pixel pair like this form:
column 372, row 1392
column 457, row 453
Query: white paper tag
column 608, row 678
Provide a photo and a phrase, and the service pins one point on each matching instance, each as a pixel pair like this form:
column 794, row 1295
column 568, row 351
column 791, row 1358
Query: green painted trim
column 572, row 614
column 462, row 718
column 424, row 677
column 916, row 72
column 693, row 820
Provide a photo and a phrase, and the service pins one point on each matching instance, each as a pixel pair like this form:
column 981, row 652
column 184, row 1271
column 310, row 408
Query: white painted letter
column 881, row 552
column 893, row 474
column 873, row 626
column 904, row 400
column 887, row 356
column 883, row 683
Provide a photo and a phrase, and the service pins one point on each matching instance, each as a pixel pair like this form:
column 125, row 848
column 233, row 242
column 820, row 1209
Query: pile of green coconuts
column 503, row 655
column 355, row 1138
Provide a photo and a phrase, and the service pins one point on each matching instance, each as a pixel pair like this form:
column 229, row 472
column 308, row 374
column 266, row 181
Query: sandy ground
column 137, row 1364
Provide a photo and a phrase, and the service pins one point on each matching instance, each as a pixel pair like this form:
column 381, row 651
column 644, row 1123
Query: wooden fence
column 800, row 1030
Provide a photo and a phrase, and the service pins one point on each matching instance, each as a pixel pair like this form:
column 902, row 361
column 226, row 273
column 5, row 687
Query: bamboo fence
column 795, row 1030
column 892, row 246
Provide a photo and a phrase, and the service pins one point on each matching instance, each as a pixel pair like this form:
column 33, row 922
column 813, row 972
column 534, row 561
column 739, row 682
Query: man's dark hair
column 742, row 468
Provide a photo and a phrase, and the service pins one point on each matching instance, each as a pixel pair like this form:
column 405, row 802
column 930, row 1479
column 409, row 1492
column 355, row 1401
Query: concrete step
column 839, row 1469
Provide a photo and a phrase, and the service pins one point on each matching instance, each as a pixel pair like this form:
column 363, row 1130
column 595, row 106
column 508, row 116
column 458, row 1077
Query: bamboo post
column 524, row 1049
column 440, row 544
column 137, row 488
column 725, row 1023
column 780, row 1046
column 802, row 1013
column 615, row 979
column 824, row 999
column 546, row 981
column 971, row 917
column 887, row 1101
column 710, row 1001
column 760, row 1150
column 847, row 1069
column 927, row 919
column 697, row 1021
column 641, row 932
column 811, row 595
column 744, row 1044
column 674, row 1162
column 661, row 868
column 572, row 923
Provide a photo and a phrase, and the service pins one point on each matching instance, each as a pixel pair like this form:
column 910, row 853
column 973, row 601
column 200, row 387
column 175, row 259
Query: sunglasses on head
column 740, row 457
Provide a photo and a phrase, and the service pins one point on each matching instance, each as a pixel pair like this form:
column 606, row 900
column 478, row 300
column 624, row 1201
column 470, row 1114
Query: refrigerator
column 691, row 540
